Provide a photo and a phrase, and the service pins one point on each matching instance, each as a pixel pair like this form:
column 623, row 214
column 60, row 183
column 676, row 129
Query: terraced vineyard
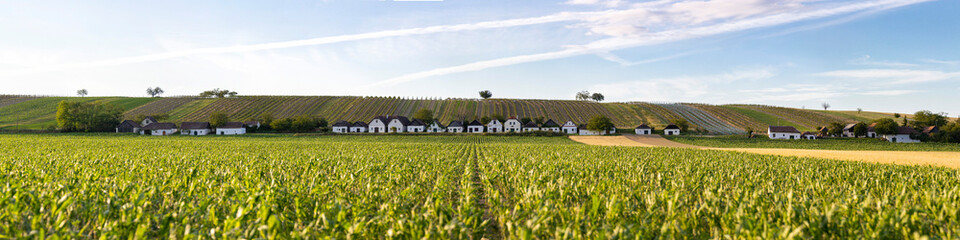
column 805, row 119
column 702, row 119
column 734, row 118
column 451, row 187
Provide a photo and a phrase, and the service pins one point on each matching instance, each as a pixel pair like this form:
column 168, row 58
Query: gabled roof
column 158, row 126
column 455, row 124
column 570, row 122
column 671, row 126
column 494, row 121
column 475, row 123
column 550, row 123
column 906, row 130
column 438, row 123
column 359, row 124
column 530, row 124
column 231, row 125
column 808, row 133
column 341, row 123
column 151, row 119
column 783, row 129
column 931, row 129
column 403, row 120
column 849, row 127
column 195, row 125
column 512, row 119
column 643, row 126
column 129, row 122
column 381, row 118
column 417, row 122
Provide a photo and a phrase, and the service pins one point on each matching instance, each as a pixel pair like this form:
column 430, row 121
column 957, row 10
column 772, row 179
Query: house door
column 893, row 139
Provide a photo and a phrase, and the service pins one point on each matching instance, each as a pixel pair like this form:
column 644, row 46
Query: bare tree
column 859, row 110
column 153, row 92
column 583, row 95
column 825, row 106
column 82, row 92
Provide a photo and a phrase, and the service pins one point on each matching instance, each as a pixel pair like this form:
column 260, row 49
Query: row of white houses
column 903, row 134
column 150, row 126
column 400, row 124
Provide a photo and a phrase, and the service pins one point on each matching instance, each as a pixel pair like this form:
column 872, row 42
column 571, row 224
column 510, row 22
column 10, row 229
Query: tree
column 538, row 120
column 498, row 117
column 836, row 129
column 303, row 123
column 88, row 117
column 281, row 124
column 525, row 120
column 597, row 97
column 599, row 123
column 485, row 119
column 424, row 115
column 82, row 92
column 859, row 110
column 322, row 122
column 266, row 119
column 218, row 119
column 583, row 95
column 218, row 93
column 925, row 118
column 825, row 106
column 485, row 94
column 154, row 92
column 896, row 115
column 682, row 123
column 886, row 126
column 860, row 129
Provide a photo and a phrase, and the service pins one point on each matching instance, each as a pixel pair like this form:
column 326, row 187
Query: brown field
column 943, row 159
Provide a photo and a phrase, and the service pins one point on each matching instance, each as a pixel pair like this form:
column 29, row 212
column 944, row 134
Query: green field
column 450, row 187
column 864, row 144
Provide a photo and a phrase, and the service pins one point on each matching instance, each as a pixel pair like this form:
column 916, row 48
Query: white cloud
column 889, row 92
column 867, row 60
column 945, row 62
column 893, row 76
column 605, row 3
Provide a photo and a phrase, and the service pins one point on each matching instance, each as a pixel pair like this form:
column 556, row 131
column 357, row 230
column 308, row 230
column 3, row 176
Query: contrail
column 609, row 44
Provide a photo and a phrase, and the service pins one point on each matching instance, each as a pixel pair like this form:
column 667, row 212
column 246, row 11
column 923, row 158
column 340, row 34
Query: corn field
column 451, row 187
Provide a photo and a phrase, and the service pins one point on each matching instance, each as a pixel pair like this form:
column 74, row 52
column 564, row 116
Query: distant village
column 903, row 134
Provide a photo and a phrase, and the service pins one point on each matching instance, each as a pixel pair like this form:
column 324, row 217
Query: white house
column 512, row 125
column 903, row 136
column 495, row 126
column 550, row 126
column 871, row 132
column 475, row 127
column 808, row 136
column 569, row 127
column 783, row 132
column 231, row 128
column 397, row 124
column 455, row 127
column 671, row 130
column 531, row 127
column 358, row 127
column 417, row 126
column 585, row 131
column 643, row 129
column 148, row 121
column 340, row 127
column 159, row 129
column 378, row 124
column 435, row 127
column 195, row 128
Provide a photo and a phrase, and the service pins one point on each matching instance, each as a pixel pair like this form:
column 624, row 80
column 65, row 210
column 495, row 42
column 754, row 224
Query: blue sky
column 880, row 55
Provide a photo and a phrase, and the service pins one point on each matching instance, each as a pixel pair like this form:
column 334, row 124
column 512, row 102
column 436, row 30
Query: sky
column 878, row 55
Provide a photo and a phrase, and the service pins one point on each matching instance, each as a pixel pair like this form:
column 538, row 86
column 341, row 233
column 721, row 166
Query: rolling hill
column 26, row 112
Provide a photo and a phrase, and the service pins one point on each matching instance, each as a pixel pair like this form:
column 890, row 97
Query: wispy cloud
column 867, row 60
column 889, row 92
column 623, row 62
column 945, row 62
column 893, row 76
column 629, row 35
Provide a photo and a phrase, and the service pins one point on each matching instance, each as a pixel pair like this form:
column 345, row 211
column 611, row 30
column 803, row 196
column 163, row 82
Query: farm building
column 148, row 121
column 569, row 127
column 231, row 128
column 531, row 127
column 871, row 132
column 435, row 127
column 643, row 129
column 128, row 126
column 808, row 135
column 397, row 124
column 671, row 130
column 159, row 129
column 417, row 126
column 848, row 130
column 358, row 127
column 931, row 130
column 512, row 125
column 475, row 127
column 495, row 126
column 550, row 126
column 378, row 124
column 783, row 132
column 585, row 131
column 340, row 127
column 195, row 128
column 903, row 136
column 455, row 127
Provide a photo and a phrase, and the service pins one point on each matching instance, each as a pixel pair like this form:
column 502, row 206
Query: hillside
column 40, row 112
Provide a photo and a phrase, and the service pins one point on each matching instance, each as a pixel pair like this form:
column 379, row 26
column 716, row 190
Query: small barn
column 455, row 127
column 569, row 127
column 848, row 130
column 231, row 128
column 550, row 126
column 475, row 127
column 195, row 128
column 341, row 127
column 643, row 129
column 904, row 135
column 128, row 126
column 148, row 121
column 871, row 132
column 671, row 130
column 436, row 127
column 512, row 125
column 531, row 127
column 417, row 126
column 495, row 126
column 783, row 132
column 397, row 124
column 159, row 129
column 585, row 131
column 358, row 127
column 378, row 125
column 808, row 135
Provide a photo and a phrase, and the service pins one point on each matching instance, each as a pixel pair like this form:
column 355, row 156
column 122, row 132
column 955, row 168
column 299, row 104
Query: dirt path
column 944, row 159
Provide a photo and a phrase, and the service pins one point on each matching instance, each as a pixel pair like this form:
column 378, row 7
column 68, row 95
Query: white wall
column 396, row 126
column 340, row 129
column 161, row 132
column 512, row 125
column 416, row 129
column 231, row 131
column 642, row 131
column 196, row 132
column 455, row 129
column 377, row 126
column 358, row 129
column 671, row 132
column 900, row 138
column 776, row 135
column 475, row 129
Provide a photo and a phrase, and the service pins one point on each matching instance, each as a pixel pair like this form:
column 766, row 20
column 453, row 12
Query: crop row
column 702, row 119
